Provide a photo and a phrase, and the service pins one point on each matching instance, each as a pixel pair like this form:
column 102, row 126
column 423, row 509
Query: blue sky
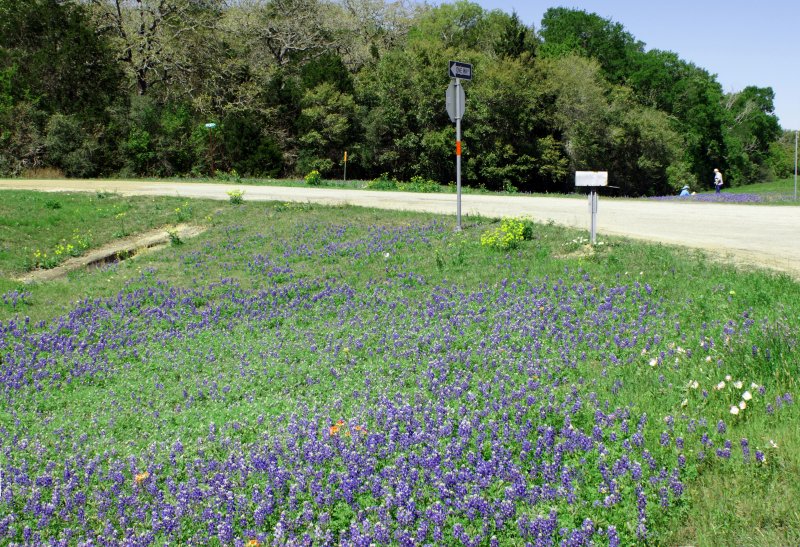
column 743, row 42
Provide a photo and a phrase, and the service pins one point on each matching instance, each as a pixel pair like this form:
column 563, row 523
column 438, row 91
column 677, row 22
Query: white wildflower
column 738, row 384
column 747, row 395
column 734, row 410
column 742, row 405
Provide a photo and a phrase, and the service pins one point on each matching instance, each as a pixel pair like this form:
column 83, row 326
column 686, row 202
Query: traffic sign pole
column 455, row 99
column 458, row 155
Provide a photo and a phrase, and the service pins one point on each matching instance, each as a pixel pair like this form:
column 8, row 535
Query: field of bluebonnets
column 302, row 375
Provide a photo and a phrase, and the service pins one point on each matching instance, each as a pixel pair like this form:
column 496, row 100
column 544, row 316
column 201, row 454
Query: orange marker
column 458, row 148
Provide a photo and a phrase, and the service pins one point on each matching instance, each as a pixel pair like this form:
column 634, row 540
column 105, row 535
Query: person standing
column 717, row 181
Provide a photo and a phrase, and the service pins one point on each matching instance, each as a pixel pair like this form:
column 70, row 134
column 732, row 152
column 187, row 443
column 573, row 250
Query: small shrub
column 527, row 228
column 174, row 237
column 314, row 178
column 52, row 204
column 383, row 182
column 508, row 235
column 420, row 184
column 231, row 176
column 123, row 231
column 236, row 197
column 184, row 212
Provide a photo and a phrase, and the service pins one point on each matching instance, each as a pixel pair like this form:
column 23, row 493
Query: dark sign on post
column 462, row 71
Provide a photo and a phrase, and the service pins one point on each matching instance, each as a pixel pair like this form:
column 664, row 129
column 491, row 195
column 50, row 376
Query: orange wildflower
column 141, row 477
column 253, row 543
column 334, row 429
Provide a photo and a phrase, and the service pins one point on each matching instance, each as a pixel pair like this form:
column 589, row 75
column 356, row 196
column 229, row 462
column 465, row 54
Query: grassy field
column 300, row 374
column 783, row 186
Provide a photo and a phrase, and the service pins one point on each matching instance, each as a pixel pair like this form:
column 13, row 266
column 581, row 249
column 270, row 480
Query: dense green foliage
column 105, row 87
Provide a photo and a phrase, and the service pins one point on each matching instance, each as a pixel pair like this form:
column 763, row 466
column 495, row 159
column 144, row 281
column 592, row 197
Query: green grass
column 726, row 503
column 31, row 221
column 782, row 186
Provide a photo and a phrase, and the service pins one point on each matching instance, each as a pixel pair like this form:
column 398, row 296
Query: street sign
column 591, row 178
column 462, row 71
column 455, row 108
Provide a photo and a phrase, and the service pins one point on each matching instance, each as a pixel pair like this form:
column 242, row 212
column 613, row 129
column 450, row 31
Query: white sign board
column 591, row 178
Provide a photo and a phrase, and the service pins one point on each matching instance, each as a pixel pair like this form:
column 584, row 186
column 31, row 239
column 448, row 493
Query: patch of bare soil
column 115, row 251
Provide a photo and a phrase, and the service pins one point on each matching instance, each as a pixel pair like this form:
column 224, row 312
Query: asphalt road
column 767, row 236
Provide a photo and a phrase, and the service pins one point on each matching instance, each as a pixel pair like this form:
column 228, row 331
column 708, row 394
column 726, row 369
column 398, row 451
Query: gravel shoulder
column 743, row 234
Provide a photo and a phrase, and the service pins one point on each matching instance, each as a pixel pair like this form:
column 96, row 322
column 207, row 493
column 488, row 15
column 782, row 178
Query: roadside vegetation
column 342, row 375
column 284, row 88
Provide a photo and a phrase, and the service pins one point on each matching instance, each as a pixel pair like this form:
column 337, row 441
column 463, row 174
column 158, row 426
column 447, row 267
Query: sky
column 742, row 42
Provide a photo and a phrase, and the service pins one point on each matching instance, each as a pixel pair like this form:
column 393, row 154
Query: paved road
column 765, row 236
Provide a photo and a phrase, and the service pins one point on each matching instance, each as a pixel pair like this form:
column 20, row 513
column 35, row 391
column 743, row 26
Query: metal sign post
column 795, row 165
column 456, row 103
column 458, row 154
column 593, row 180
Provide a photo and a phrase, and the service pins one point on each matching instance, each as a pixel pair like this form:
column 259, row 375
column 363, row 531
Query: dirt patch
column 115, row 251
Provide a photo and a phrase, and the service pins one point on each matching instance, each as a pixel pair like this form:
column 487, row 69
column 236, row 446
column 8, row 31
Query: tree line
column 128, row 87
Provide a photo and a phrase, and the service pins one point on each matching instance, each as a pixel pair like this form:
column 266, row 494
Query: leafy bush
column 508, row 235
column 314, row 178
column 236, row 197
column 174, row 237
column 383, row 182
column 230, row 176
column 419, row 184
column 68, row 147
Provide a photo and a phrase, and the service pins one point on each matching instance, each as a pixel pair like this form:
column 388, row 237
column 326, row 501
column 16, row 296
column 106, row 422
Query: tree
column 287, row 31
column 364, row 30
column 462, row 26
column 326, row 125
column 515, row 38
column 568, row 31
column 508, row 129
column 781, row 158
column 693, row 98
column 51, row 56
column 605, row 129
column 153, row 38
column 750, row 128
column 52, row 64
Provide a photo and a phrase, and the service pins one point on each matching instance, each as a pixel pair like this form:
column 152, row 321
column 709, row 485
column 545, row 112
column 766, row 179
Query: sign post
column 795, row 165
column 593, row 180
column 456, row 100
column 345, row 166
